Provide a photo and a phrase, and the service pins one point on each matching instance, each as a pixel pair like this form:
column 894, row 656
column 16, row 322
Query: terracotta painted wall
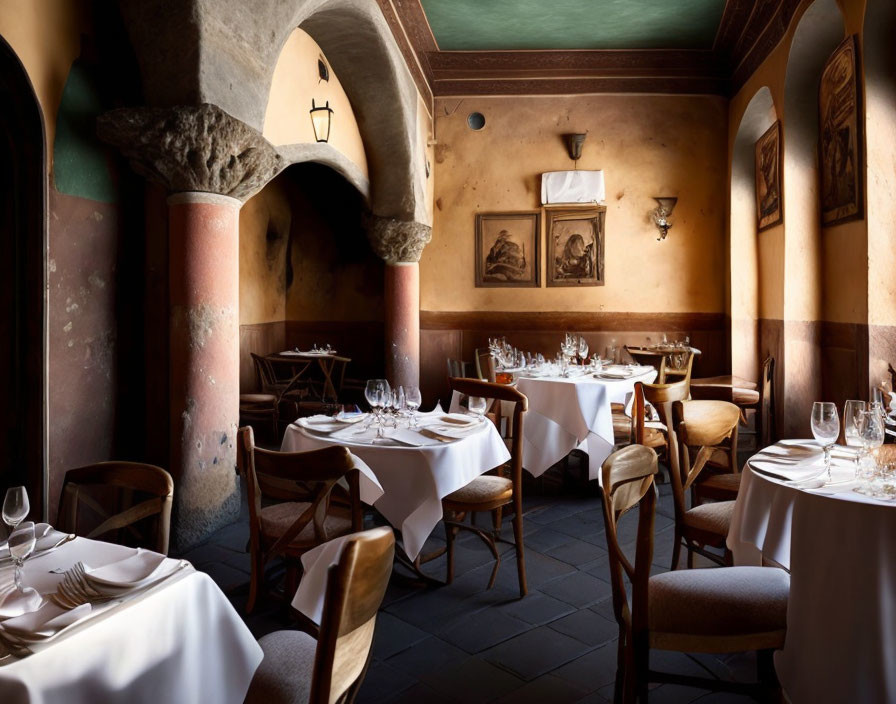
column 646, row 145
column 78, row 68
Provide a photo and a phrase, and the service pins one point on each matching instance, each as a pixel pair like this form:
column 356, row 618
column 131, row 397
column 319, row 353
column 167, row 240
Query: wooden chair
column 703, row 429
column 132, row 499
column 743, row 394
column 456, row 368
column 310, row 507
column 331, row 668
column 261, row 408
column 485, row 364
column 661, row 397
column 491, row 492
column 718, row 610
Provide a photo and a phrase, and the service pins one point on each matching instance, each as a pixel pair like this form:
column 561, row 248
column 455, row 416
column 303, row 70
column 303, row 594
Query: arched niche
column 754, row 273
column 23, row 223
column 236, row 45
column 819, row 31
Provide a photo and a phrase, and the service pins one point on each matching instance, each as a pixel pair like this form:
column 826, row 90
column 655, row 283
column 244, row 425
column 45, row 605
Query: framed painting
column 768, row 178
column 508, row 249
column 575, row 240
column 840, row 146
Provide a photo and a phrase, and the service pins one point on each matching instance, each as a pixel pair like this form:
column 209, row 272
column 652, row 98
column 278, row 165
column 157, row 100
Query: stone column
column 211, row 163
column 400, row 244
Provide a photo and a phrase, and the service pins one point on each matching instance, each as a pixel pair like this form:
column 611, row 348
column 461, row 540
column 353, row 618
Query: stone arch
column 236, row 49
column 819, row 31
column 749, row 249
column 23, row 309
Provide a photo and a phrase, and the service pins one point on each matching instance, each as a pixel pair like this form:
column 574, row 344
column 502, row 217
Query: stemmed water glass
column 853, row 421
column 413, row 400
column 583, row 349
column 21, row 544
column 15, row 507
column 376, row 392
column 826, row 429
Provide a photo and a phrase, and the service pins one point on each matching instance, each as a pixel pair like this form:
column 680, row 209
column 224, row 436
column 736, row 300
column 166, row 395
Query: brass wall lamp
column 661, row 215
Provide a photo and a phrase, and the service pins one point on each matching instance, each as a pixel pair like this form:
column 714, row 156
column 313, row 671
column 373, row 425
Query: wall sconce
column 661, row 215
column 321, row 117
column 574, row 144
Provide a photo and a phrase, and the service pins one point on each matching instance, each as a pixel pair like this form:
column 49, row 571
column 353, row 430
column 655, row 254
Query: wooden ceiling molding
column 747, row 33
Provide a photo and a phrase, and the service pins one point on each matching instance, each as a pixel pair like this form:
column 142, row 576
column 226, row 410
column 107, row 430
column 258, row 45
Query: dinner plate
column 132, row 571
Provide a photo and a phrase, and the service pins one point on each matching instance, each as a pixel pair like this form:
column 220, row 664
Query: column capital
column 397, row 241
column 196, row 148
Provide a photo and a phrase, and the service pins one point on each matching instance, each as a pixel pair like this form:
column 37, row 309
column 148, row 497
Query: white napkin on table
column 133, row 571
column 14, row 602
column 44, row 622
column 46, row 538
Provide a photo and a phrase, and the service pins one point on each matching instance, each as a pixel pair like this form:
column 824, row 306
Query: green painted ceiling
column 483, row 25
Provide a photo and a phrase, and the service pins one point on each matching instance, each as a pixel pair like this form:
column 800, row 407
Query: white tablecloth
column 570, row 414
column 181, row 641
column 841, row 618
column 414, row 480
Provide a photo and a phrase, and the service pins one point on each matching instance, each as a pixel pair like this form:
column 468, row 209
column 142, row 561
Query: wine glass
column 826, row 429
column 583, row 349
column 15, row 507
column 413, row 400
column 21, row 545
column 853, row 421
column 477, row 405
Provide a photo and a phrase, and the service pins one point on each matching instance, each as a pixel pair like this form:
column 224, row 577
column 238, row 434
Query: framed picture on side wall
column 508, row 249
column 768, row 178
column 840, row 137
column 575, row 246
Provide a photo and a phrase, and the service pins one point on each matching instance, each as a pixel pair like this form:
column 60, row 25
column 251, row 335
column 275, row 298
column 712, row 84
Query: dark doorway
column 23, row 240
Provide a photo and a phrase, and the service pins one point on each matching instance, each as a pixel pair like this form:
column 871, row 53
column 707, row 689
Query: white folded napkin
column 411, row 437
column 46, row 538
column 133, row 571
column 14, row 602
column 44, row 622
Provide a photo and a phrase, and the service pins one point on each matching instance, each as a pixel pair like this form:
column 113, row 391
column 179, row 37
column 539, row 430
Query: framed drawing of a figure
column 768, row 178
column 840, row 136
column 508, row 249
column 575, row 246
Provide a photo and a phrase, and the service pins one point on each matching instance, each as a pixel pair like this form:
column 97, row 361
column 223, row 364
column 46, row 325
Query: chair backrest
column 627, row 478
column 513, row 430
column 649, row 358
column 296, row 476
column 355, row 589
column 661, row 397
column 681, row 371
column 266, row 376
column 130, row 498
column 707, row 427
column 456, row 368
column 485, row 364
column 767, row 427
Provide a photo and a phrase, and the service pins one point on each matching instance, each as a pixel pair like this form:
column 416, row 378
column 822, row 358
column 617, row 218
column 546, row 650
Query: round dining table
column 407, row 483
column 839, row 547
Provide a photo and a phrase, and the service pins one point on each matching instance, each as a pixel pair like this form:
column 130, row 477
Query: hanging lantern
column 321, row 118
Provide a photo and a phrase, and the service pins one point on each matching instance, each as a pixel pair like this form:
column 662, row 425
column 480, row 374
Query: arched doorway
column 23, row 183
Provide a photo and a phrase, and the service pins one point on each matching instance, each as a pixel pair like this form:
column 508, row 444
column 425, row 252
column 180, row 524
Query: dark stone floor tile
column 675, row 694
column 478, row 632
column 422, row 694
column 540, row 569
column 538, row 608
column 594, row 698
column 382, row 683
column 535, row 652
column 226, row 577
column 544, row 539
column 587, row 526
column 593, row 670
column 546, row 688
column 722, row 698
column 577, row 552
column 207, row 553
column 585, row 625
column 474, row 681
column 549, row 513
column 394, row 635
column 579, row 589
column 429, row 654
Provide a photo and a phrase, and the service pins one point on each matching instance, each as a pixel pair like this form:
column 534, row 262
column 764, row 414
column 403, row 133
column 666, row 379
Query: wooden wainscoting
column 456, row 335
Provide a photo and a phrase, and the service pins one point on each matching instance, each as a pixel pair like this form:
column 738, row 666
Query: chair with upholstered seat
column 295, row 502
column 491, row 493
column 718, row 610
column 705, row 432
column 259, row 407
column 128, row 503
column 331, row 668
